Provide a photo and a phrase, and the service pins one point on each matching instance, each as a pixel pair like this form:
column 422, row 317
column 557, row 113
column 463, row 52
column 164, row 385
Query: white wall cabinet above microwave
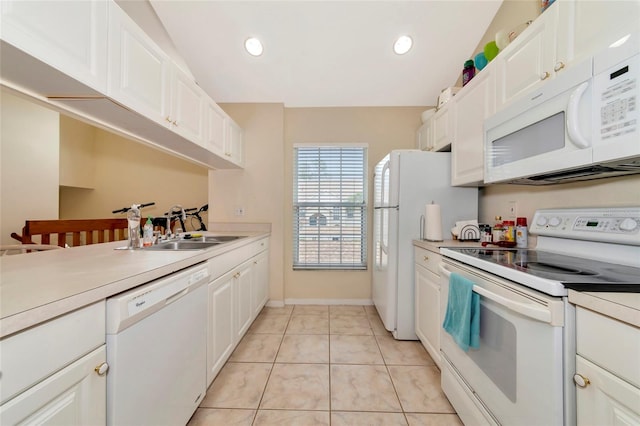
column 91, row 60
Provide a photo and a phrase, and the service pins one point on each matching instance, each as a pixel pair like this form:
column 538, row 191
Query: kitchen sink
column 183, row 245
column 222, row 238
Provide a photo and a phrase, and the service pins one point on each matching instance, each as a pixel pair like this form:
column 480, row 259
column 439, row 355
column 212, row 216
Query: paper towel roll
column 433, row 222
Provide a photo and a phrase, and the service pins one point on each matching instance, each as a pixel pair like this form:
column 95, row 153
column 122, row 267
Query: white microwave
column 584, row 124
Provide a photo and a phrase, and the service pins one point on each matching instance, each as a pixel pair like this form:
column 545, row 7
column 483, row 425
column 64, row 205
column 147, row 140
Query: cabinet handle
column 559, row 66
column 236, row 275
column 581, row 381
column 174, row 122
column 545, row 75
column 426, row 258
column 102, row 369
column 167, row 118
column 255, row 262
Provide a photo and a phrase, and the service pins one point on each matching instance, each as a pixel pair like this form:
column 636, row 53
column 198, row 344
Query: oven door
column 516, row 375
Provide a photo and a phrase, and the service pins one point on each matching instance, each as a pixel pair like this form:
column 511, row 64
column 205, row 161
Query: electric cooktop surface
column 573, row 272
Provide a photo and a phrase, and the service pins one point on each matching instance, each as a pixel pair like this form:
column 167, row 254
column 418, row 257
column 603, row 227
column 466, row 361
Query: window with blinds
column 329, row 207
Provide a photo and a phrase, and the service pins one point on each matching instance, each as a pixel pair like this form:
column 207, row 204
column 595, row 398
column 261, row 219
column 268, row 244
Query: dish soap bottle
column 147, row 233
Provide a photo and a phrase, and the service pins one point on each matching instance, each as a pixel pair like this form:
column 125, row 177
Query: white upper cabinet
column 442, row 123
column 139, row 72
column 216, row 128
column 65, row 36
column 471, row 106
column 234, row 144
column 188, row 101
column 424, row 136
column 536, row 55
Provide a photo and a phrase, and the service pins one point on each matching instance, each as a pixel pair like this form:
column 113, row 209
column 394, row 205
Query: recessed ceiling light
column 402, row 45
column 253, row 46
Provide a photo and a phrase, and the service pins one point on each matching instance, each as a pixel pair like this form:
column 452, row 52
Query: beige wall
column 613, row 192
column 77, row 153
column 383, row 129
column 28, row 164
column 128, row 172
column 258, row 189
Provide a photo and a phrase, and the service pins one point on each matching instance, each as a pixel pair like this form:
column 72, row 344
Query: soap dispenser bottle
column 147, row 234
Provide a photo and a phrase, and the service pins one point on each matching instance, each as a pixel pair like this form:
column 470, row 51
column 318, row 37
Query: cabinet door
column 260, row 282
column 242, row 287
column 424, row 136
column 428, row 311
column 234, row 142
column 473, row 104
column 220, row 327
column 139, row 71
column 607, row 399
column 187, row 107
column 75, row 395
column 442, row 129
column 528, row 61
column 216, row 128
column 70, row 36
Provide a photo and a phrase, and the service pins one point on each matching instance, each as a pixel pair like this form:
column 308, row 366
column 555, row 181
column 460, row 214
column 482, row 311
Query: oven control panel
column 615, row 225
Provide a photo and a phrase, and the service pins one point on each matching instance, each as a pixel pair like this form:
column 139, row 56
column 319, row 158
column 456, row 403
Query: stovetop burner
column 572, row 272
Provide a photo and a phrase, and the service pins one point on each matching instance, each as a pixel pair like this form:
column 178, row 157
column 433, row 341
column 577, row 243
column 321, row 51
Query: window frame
column 345, row 220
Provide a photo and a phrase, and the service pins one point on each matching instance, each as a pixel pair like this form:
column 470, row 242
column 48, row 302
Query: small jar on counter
column 497, row 233
column 522, row 238
column 509, row 231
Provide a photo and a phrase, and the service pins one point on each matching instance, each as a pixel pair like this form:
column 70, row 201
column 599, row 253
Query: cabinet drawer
column 427, row 259
column 609, row 343
column 29, row 356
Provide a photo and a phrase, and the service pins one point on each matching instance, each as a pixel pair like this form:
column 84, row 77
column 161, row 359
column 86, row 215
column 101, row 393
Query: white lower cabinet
column 235, row 299
column 75, row 395
column 220, row 333
column 259, row 282
column 54, row 373
column 607, row 370
column 242, row 293
column 427, row 300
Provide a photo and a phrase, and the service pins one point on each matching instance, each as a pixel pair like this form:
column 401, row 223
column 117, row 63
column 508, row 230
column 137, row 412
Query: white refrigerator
column 404, row 182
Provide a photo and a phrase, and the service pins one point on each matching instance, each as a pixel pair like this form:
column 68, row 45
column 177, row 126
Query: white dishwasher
column 156, row 350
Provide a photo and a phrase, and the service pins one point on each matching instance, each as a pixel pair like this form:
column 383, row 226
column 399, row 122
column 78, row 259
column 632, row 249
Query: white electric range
column 523, row 370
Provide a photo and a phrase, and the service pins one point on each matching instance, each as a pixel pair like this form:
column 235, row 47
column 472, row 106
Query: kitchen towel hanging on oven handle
column 462, row 319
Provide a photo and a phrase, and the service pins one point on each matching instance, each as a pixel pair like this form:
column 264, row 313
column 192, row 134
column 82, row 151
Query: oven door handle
column 530, row 311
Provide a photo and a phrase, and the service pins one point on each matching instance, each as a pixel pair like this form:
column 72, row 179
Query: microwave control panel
column 617, row 92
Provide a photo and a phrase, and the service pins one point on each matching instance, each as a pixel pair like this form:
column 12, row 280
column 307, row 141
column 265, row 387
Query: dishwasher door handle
column 532, row 311
column 176, row 296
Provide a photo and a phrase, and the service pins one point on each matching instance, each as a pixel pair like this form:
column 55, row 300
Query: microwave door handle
column 536, row 313
column 573, row 127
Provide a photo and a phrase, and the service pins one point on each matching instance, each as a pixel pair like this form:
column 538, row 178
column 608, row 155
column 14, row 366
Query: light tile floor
column 325, row 365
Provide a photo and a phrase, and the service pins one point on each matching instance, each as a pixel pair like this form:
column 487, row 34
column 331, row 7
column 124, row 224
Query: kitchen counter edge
column 623, row 307
column 24, row 319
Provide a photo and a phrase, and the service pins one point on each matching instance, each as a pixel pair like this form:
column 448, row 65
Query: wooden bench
column 83, row 231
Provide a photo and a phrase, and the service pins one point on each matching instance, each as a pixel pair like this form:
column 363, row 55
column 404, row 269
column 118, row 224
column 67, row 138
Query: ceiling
column 326, row 53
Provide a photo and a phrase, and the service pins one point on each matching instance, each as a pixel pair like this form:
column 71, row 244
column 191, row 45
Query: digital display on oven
column 592, row 223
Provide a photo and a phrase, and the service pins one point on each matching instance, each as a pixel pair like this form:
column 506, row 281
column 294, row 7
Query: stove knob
column 554, row 221
column 628, row 225
column 542, row 221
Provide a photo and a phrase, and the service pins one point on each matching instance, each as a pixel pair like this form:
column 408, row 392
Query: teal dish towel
column 462, row 319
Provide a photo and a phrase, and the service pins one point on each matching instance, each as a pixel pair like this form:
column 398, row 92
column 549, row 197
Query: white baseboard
column 357, row 302
column 275, row 304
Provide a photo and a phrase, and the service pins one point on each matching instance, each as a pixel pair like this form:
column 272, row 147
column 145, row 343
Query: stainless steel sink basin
column 222, row 238
column 183, row 245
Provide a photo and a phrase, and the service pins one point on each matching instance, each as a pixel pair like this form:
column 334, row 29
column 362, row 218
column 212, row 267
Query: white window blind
column 329, row 207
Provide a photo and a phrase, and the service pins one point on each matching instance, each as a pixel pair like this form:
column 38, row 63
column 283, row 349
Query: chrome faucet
column 172, row 209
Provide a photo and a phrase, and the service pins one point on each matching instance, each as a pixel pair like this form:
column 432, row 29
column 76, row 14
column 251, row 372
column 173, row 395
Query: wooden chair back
column 83, row 231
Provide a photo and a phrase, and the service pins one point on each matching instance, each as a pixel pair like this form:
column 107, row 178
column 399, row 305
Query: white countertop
column 39, row 286
column 624, row 307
